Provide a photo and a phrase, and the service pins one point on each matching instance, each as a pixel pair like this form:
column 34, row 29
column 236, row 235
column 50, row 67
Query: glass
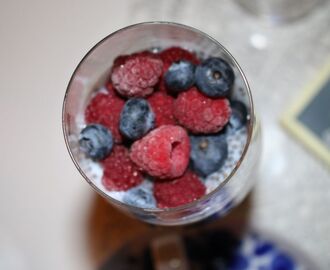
column 92, row 72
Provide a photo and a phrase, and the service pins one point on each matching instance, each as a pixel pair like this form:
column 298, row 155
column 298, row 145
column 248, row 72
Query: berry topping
column 180, row 76
column 208, row 153
column 140, row 196
column 162, row 105
column 214, row 77
column 179, row 191
column 163, row 153
column 174, row 54
column 238, row 116
column 136, row 75
column 96, row 141
column 120, row 173
column 105, row 109
column 201, row 114
column 136, row 118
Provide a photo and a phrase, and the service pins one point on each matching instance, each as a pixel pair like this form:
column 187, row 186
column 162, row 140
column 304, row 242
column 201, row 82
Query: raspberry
column 171, row 55
column 105, row 109
column 201, row 114
column 174, row 54
column 120, row 173
column 163, row 153
column 162, row 106
column 137, row 74
column 179, row 191
column 120, row 60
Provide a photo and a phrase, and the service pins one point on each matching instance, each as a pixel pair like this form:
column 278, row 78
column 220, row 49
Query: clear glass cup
column 92, row 72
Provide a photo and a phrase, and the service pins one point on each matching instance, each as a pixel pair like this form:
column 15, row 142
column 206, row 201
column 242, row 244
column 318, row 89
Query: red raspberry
column 201, row 114
column 179, row 191
column 162, row 106
column 137, row 74
column 163, row 153
column 171, row 55
column 120, row 173
column 105, row 109
column 120, row 60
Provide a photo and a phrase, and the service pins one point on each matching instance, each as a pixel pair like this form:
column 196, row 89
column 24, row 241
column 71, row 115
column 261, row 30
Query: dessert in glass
column 158, row 118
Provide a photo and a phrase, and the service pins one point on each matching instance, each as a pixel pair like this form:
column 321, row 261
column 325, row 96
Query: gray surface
column 42, row 42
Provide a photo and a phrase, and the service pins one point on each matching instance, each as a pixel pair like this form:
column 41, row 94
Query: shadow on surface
column 116, row 238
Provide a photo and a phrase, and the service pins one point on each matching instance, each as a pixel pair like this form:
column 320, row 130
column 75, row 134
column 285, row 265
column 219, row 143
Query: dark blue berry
column 263, row 248
column 214, row 77
column 140, row 196
column 136, row 118
column 96, row 141
column 180, row 76
column 208, row 153
column 238, row 117
column 282, row 262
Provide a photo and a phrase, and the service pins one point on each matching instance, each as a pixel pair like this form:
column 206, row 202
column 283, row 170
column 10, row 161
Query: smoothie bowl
column 158, row 118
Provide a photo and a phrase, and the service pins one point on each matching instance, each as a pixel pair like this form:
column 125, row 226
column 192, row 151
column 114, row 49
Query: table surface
column 51, row 218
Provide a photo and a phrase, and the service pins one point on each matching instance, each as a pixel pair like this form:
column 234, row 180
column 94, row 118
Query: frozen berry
column 170, row 56
column 162, row 105
column 136, row 75
column 105, row 109
column 180, row 76
column 163, row 152
column 120, row 173
column 96, row 141
column 201, row 114
column 214, row 77
column 136, row 118
column 208, row 153
column 180, row 191
column 174, row 54
column 140, row 196
column 238, row 116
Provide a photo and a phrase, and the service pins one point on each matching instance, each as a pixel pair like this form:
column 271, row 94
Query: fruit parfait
column 158, row 118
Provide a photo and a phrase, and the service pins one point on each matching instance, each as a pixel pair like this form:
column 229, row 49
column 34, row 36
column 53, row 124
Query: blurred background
column 51, row 219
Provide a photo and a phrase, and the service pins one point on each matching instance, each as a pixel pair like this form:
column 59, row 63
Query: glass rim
column 250, row 128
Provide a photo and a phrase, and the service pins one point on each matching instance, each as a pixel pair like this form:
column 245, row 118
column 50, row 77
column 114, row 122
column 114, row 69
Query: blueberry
column 214, row 77
column 180, row 76
column 96, row 141
column 238, row 116
column 136, row 118
column 140, row 196
column 208, row 153
column 282, row 262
